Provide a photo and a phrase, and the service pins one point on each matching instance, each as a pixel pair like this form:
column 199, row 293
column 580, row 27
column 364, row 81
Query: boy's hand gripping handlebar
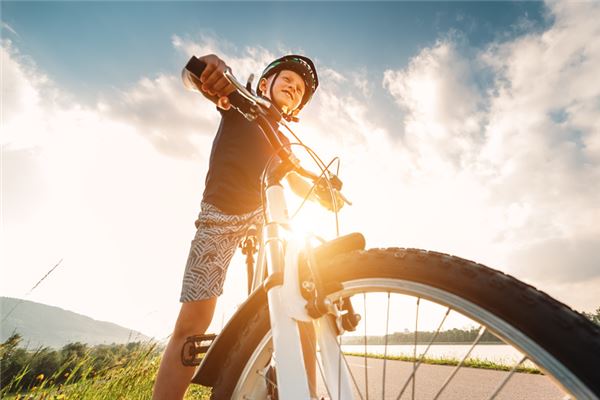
column 243, row 100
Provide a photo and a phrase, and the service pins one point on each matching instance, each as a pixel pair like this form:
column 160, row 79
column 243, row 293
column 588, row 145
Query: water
column 497, row 353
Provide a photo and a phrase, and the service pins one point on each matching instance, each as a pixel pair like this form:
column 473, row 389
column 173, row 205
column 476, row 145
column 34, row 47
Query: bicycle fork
column 287, row 307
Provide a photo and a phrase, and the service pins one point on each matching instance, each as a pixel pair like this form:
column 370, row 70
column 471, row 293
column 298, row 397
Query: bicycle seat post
column 249, row 248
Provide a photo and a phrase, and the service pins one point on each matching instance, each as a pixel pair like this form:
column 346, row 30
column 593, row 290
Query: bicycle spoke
column 349, row 371
column 510, row 374
column 387, row 321
column 481, row 332
column 314, row 346
column 424, row 354
column 365, row 355
column 414, row 380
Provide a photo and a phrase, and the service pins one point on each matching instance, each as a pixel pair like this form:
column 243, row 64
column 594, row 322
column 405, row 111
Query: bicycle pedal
column 195, row 347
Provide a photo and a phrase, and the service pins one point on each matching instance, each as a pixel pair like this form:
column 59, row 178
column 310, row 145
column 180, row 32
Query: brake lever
column 336, row 185
column 344, row 198
column 249, row 84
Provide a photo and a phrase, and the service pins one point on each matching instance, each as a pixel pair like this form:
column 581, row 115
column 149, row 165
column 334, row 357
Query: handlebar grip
column 196, row 66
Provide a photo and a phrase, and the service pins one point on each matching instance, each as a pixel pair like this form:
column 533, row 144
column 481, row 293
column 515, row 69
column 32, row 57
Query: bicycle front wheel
column 563, row 344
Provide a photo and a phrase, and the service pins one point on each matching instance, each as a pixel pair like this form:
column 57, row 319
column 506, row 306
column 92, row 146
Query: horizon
column 469, row 128
column 465, row 328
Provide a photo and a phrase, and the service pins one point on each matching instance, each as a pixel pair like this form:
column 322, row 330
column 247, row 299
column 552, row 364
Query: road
column 467, row 384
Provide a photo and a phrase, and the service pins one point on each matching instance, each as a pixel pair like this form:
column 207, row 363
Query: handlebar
column 254, row 107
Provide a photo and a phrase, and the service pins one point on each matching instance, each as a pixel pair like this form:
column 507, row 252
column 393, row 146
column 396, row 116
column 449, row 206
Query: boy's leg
column 212, row 248
column 173, row 377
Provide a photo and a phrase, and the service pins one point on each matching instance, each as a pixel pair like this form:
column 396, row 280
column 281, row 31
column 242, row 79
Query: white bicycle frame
column 287, row 308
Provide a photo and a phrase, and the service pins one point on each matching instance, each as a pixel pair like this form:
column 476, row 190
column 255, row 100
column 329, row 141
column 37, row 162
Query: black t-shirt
column 239, row 154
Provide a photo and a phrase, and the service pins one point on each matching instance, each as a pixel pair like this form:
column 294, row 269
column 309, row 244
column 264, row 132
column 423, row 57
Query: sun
column 311, row 220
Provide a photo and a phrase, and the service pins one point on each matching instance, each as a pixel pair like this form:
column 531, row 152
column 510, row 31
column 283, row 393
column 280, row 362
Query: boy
column 231, row 202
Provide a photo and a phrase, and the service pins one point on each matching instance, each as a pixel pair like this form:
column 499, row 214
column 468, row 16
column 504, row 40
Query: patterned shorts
column 217, row 237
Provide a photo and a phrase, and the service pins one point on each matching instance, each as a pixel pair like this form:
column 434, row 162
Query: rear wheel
column 560, row 342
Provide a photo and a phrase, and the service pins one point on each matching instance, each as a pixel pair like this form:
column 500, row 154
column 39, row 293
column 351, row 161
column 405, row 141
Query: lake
column 497, row 353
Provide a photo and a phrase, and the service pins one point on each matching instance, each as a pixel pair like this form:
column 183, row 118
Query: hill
column 44, row 325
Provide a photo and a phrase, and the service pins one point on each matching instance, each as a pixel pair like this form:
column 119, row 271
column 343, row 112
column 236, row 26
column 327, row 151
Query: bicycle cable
column 324, row 169
column 312, row 189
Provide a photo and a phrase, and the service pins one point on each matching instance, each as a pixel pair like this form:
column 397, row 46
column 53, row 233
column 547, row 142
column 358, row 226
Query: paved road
column 468, row 383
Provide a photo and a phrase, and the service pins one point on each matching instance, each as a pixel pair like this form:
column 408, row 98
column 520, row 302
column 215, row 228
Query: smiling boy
column 232, row 201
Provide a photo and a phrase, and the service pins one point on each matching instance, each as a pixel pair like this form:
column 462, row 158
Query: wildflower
column 40, row 377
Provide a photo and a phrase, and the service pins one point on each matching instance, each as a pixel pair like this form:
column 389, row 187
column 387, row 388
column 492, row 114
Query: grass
column 128, row 379
column 132, row 378
column 469, row 362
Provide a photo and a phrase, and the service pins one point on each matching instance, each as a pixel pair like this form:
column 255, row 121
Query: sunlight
column 311, row 219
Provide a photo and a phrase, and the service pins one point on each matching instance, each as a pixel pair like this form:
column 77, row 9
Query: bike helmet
column 301, row 65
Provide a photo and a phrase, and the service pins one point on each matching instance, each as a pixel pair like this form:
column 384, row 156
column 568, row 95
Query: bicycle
column 298, row 282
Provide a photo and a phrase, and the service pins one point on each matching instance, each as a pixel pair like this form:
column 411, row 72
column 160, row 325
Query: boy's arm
column 302, row 188
column 212, row 83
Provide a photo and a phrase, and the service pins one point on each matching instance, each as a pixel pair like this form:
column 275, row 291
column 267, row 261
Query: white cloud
column 27, row 96
column 528, row 139
column 331, row 76
column 165, row 113
column 443, row 105
column 361, row 81
column 250, row 60
column 82, row 186
column 168, row 115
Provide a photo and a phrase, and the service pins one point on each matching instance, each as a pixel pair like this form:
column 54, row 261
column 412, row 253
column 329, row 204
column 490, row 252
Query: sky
column 469, row 128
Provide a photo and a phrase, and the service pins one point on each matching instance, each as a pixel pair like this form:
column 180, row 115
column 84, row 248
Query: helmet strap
column 271, row 89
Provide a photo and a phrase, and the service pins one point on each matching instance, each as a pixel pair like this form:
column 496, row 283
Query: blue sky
column 469, row 128
column 117, row 42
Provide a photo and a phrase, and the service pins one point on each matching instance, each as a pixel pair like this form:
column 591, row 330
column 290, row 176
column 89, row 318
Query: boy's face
column 288, row 90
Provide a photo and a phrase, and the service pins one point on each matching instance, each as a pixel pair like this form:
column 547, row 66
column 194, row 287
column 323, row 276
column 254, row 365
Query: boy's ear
column 262, row 85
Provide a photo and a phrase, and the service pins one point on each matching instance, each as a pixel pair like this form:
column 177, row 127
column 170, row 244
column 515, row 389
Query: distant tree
column 75, row 350
column 454, row 335
column 133, row 346
column 594, row 317
column 72, row 357
column 103, row 356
